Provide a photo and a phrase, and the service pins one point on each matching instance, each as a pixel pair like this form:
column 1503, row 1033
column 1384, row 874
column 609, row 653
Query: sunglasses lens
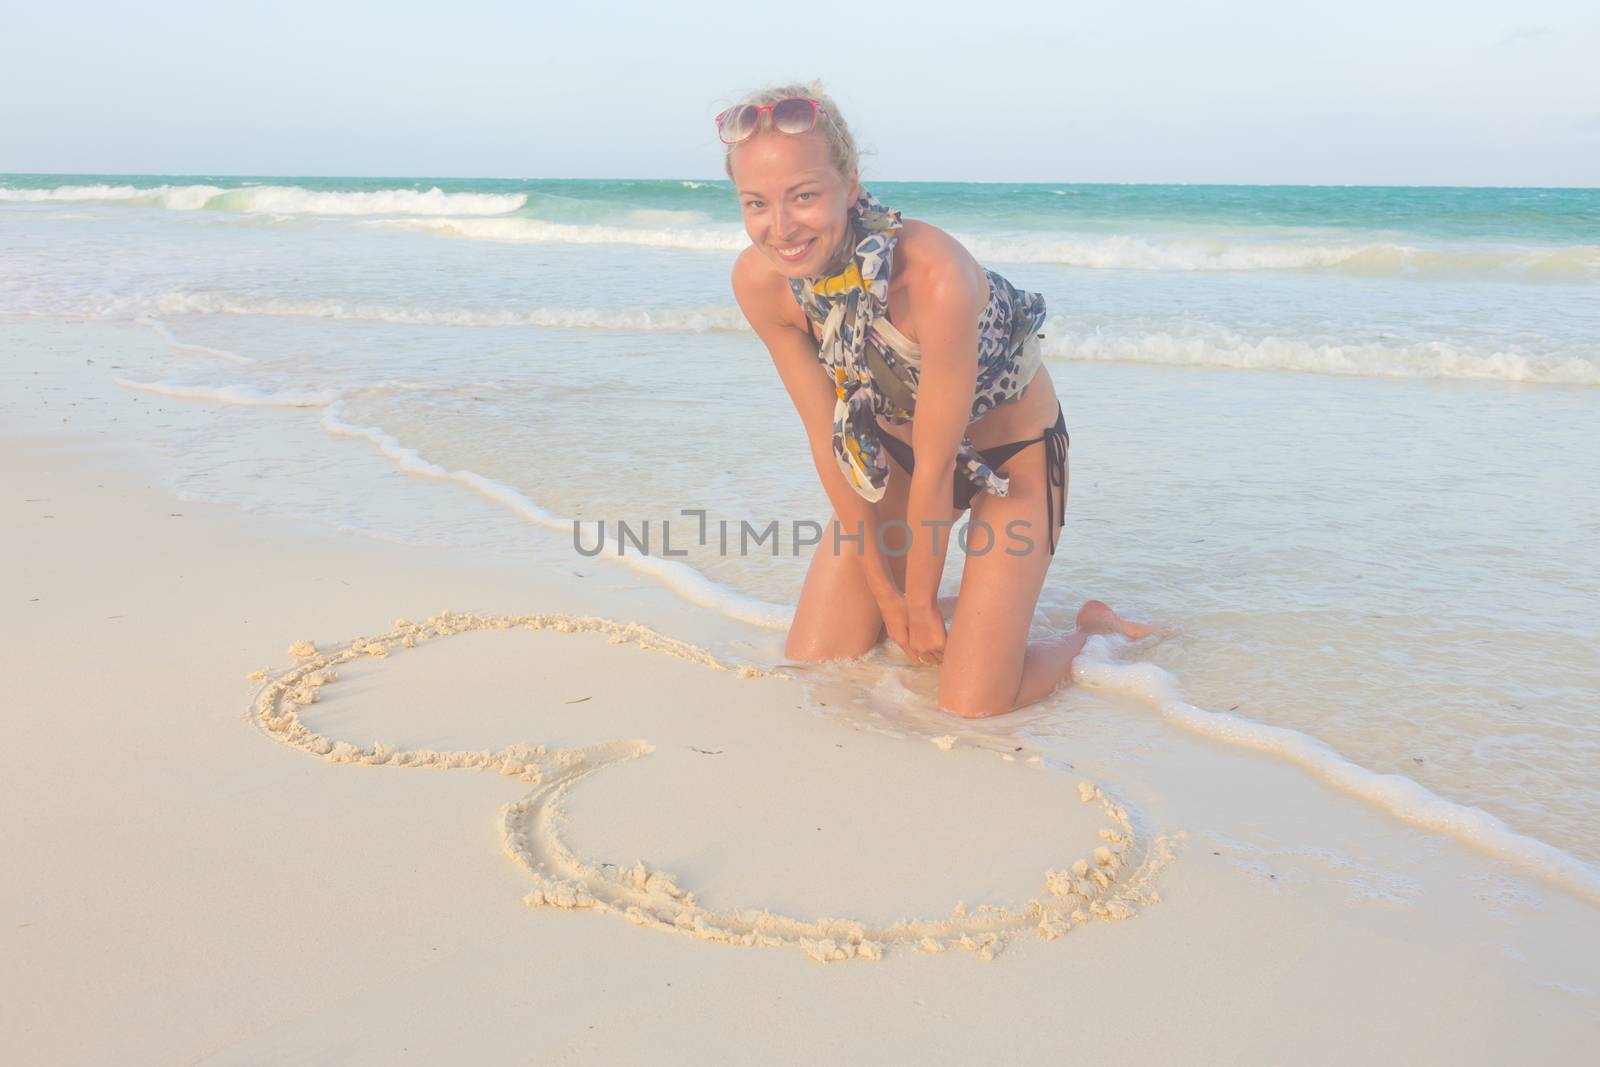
column 794, row 115
column 739, row 123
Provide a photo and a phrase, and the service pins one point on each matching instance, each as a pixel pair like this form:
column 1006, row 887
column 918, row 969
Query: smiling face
column 795, row 202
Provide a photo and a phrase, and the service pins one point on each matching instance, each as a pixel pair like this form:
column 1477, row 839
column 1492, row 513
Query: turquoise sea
column 1343, row 438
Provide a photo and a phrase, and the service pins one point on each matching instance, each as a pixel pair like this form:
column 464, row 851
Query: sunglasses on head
column 795, row 114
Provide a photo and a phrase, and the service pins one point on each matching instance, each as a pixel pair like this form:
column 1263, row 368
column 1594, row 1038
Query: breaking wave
column 1571, row 263
column 1561, row 263
column 1203, row 345
column 1217, row 347
column 536, row 231
column 688, row 320
column 278, row 199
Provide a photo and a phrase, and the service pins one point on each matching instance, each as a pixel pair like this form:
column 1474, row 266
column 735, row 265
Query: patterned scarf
column 868, row 379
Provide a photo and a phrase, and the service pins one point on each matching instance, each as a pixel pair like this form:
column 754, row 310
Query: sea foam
column 538, row 231
column 1202, row 345
column 1375, row 259
column 1572, row 263
column 691, row 320
column 1213, row 346
column 279, row 199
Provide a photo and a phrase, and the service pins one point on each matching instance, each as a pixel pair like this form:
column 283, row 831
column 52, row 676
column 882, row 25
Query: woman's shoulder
column 762, row 291
column 927, row 259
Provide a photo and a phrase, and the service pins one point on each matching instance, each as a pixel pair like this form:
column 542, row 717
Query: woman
column 904, row 322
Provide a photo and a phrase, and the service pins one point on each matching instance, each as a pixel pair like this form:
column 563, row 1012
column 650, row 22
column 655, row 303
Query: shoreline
column 287, row 903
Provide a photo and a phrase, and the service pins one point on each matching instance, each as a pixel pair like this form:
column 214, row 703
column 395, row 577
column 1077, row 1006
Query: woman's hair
column 841, row 146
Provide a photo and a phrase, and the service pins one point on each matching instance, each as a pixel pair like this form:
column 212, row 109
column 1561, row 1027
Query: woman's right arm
column 766, row 301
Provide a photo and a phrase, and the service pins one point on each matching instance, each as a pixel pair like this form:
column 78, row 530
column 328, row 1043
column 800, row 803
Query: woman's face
column 796, row 204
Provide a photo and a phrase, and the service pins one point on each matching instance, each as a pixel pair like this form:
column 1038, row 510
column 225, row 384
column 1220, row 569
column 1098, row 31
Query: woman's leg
column 989, row 665
column 983, row 663
column 837, row 616
column 1048, row 663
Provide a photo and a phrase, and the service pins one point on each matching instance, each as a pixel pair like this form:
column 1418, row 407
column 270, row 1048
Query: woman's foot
column 1096, row 617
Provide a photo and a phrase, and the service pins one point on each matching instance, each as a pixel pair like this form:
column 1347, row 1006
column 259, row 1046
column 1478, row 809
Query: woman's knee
column 975, row 697
column 837, row 616
column 814, row 644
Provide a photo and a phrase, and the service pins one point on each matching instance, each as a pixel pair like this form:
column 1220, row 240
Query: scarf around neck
column 868, row 380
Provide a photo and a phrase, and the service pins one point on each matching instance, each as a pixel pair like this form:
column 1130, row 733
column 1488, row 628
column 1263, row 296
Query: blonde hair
column 841, row 146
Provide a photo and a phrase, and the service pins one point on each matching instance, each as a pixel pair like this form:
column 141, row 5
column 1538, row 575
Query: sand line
column 1111, row 883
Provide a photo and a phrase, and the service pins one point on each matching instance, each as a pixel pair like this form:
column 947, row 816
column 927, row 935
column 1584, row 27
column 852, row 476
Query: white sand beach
column 190, row 879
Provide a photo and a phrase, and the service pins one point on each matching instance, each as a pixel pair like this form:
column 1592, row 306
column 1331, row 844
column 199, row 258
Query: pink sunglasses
column 795, row 114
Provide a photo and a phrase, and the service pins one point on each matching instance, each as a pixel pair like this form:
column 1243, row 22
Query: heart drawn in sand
column 1109, row 884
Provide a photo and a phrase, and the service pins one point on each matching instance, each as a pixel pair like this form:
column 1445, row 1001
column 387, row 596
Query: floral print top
column 875, row 370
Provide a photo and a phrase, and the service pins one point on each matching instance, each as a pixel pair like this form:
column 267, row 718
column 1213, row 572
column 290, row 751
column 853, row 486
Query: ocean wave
column 689, row 320
column 537, row 231
column 176, row 197
column 1204, row 346
column 1564, row 263
column 1399, row 796
column 292, row 200
column 1218, row 347
column 469, row 215
column 660, row 216
column 1567, row 263
column 1201, row 345
column 278, row 199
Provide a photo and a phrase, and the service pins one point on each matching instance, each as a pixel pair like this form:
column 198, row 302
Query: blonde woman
column 918, row 377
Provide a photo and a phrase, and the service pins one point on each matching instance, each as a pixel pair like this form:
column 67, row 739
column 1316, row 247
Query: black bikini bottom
column 1055, row 441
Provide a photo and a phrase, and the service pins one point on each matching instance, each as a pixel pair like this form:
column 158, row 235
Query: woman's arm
column 764, row 297
column 948, row 292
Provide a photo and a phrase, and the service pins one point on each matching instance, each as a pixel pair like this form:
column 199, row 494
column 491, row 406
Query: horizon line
column 724, row 180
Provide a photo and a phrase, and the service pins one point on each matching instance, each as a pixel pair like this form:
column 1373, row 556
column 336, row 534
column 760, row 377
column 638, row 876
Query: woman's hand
column 896, row 622
column 927, row 634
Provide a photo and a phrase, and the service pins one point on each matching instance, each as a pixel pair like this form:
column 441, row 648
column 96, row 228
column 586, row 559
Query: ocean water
column 1342, row 438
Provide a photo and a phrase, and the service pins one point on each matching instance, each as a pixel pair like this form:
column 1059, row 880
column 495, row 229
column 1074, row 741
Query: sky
column 1249, row 91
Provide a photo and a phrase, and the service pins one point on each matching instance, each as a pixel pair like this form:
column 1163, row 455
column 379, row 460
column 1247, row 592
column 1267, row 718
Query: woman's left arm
column 949, row 296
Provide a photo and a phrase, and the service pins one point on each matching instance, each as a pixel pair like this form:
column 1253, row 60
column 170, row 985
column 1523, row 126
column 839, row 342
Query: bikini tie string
column 1055, row 445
